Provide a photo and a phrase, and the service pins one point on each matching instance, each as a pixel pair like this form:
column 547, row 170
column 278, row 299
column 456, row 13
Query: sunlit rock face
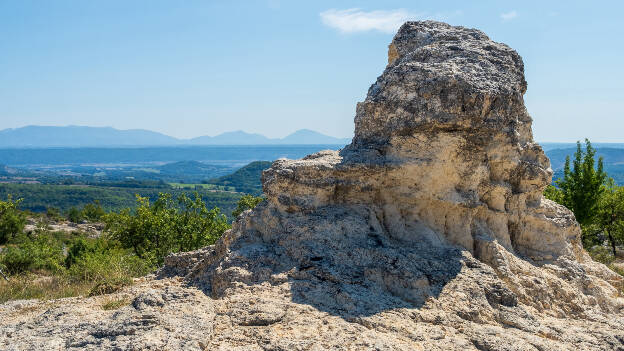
column 428, row 232
column 442, row 152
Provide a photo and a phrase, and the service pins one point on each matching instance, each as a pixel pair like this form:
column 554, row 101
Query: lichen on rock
column 429, row 231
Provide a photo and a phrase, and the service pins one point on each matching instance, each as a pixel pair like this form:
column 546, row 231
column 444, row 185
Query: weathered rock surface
column 428, row 232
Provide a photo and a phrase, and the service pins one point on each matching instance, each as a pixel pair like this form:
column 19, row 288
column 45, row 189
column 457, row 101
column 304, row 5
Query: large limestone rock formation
column 428, row 232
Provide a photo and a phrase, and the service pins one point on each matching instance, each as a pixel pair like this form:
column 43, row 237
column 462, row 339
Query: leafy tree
column 610, row 214
column 245, row 203
column 12, row 220
column 583, row 183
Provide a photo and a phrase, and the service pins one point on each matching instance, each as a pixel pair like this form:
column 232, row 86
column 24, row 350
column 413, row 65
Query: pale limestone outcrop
column 427, row 232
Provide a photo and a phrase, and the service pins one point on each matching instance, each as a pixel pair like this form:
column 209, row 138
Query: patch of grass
column 109, row 286
column 601, row 254
column 604, row 255
column 30, row 286
column 617, row 269
column 115, row 304
column 49, row 287
column 49, row 265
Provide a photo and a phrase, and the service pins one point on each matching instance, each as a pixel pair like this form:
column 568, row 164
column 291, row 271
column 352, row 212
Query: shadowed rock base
column 428, row 232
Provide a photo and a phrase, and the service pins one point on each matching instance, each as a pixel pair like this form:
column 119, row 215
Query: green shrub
column 583, row 183
column 40, row 253
column 552, row 193
column 115, row 304
column 12, row 220
column 601, row 254
column 111, row 264
column 54, row 214
column 45, row 264
column 80, row 247
column 15, row 260
column 245, row 203
column 157, row 229
column 93, row 212
column 74, row 215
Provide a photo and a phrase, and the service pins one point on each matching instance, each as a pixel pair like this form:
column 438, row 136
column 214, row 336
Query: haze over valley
column 81, row 136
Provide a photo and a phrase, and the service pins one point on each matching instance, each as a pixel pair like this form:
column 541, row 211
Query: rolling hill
column 246, row 179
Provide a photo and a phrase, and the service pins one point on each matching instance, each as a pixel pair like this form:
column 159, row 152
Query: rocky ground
column 428, row 232
column 93, row 229
column 305, row 308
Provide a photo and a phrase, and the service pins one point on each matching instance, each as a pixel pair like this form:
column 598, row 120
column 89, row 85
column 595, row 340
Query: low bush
column 245, row 203
column 92, row 212
column 74, row 215
column 31, row 286
column 112, row 265
column 602, row 254
column 37, row 254
column 165, row 226
column 60, row 264
column 12, row 220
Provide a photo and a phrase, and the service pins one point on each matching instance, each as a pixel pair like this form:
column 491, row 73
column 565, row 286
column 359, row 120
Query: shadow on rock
column 338, row 263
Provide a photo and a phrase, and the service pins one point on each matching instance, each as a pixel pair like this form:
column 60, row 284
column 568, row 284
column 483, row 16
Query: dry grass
column 617, row 269
column 32, row 286
column 114, row 304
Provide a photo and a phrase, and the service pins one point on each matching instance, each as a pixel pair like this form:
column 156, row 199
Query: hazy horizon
column 198, row 68
column 285, row 135
column 186, row 138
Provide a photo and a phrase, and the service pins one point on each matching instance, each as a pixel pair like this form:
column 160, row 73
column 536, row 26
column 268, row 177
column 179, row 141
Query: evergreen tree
column 583, row 183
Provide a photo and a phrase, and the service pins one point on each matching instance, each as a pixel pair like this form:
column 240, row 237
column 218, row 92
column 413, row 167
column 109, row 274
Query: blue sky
column 191, row 68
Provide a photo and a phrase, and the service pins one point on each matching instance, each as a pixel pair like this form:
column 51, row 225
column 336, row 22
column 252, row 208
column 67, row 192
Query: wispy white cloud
column 355, row 20
column 508, row 16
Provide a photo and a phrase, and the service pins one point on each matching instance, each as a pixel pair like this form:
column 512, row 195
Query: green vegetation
column 41, row 197
column 145, row 219
column 115, row 304
column 92, row 212
column 595, row 199
column 66, row 195
column 246, row 179
column 45, row 264
column 12, row 220
column 156, row 229
column 246, row 202
column 38, row 266
column 582, row 186
column 609, row 217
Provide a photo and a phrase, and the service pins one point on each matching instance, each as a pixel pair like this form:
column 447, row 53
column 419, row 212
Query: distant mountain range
column 78, row 136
